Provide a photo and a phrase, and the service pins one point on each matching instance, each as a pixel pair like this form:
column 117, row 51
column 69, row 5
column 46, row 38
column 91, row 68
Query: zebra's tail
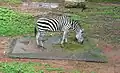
column 35, row 31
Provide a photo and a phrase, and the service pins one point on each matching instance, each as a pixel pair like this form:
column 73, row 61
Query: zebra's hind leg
column 39, row 39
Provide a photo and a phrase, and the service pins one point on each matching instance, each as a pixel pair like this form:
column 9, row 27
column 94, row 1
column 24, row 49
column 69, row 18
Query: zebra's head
column 79, row 32
column 79, row 36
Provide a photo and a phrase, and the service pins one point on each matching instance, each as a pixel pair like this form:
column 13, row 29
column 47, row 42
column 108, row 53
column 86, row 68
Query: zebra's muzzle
column 82, row 42
column 79, row 42
column 75, row 39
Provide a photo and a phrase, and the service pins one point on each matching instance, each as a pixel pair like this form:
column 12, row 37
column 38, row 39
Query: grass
column 13, row 23
column 98, row 21
column 31, row 67
column 12, row 1
column 94, row 20
column 101, row 18
column 73, row 46
column 26, row 67
column 104, row 0
column 38, row 0
column 20, row 1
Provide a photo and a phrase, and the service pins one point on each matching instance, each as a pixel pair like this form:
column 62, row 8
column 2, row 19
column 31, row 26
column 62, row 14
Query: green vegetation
column 98, row 21
column 31, row 67
column 12, row 1
column 26, row 67
column 92, row 21
column 73, row 46
column 38, row 0
column 104, row 0
column 13, row 23
column 20, row 1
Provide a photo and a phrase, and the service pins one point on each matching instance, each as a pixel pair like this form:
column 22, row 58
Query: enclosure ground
column 113, row 65
column 112, row 50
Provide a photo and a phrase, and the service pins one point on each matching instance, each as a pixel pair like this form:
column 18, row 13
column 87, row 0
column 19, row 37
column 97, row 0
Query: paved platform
column 25, row 47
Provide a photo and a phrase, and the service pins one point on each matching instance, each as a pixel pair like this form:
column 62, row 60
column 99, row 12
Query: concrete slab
column 26, row 48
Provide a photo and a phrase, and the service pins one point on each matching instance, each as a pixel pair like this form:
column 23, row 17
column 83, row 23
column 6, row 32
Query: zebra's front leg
column 64, row 37
column 42, row 34
column 41, row 42
column 66, row 40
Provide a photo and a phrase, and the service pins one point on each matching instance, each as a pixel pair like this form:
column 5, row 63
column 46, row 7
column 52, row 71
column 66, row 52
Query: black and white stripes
column 52, row 24
column 57, row 24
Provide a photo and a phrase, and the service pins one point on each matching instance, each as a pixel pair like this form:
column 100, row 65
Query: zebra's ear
column 78, row 21
column 82, row 30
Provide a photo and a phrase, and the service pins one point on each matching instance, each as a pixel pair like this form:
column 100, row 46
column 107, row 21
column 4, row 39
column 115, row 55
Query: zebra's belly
column 47, row 30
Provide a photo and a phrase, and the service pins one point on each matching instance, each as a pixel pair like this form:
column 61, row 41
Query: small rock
column 82, row 5
column 3, row 42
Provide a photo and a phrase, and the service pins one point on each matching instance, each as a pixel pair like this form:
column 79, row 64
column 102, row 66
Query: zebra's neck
column 75, row 26
column 63, row 21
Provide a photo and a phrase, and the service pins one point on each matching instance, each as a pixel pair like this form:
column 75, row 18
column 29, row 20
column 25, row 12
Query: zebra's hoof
column 39, row 46
column 75, row 39
column 61, row 45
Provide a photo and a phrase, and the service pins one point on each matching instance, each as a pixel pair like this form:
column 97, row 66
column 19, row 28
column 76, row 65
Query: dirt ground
column 113, row 65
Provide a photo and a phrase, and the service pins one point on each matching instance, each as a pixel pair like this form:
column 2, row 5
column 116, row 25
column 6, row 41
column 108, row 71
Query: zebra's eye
column 82, row 32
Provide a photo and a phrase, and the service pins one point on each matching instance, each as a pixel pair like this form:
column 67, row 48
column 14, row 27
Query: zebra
column 57, row 24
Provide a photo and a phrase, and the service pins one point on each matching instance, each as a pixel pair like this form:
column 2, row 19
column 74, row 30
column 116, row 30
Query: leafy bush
column 13, row 23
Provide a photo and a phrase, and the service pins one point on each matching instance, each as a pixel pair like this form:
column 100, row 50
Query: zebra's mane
column 75, row 25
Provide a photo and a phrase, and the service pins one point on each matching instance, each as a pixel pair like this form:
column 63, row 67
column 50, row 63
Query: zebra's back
column 53, row 24
column 47, row 24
